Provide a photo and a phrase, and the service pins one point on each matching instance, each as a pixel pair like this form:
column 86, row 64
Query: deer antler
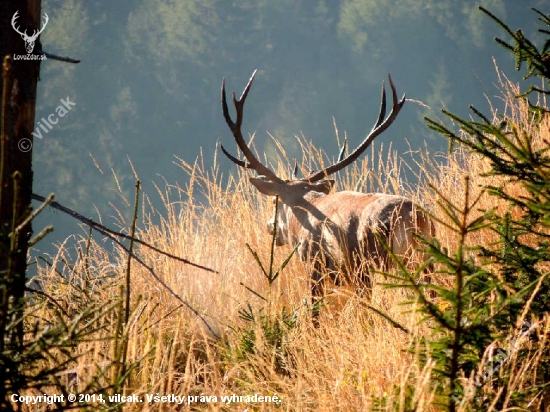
column 36, row 33
column 13, row 20
column 25, row 35
column 235, row 128
column 379, row 127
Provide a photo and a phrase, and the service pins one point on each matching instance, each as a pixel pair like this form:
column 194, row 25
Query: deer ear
column 265, row 186
column 324, row 186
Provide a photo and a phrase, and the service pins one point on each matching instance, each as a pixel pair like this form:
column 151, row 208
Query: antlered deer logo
column 29, row 40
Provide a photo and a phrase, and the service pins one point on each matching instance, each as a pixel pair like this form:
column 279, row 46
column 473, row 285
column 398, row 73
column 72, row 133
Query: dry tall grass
column 353, row 356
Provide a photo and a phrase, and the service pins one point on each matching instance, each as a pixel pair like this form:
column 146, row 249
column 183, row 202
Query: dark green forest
column 147, row 88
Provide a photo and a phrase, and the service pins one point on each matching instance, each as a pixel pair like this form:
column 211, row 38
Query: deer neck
column 303, row 204
column 301, row 214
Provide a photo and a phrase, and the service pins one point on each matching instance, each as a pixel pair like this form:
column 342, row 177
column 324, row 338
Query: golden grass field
column 353, row 356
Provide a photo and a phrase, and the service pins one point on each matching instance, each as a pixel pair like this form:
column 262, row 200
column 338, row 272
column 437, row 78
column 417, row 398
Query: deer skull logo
column 29, row 40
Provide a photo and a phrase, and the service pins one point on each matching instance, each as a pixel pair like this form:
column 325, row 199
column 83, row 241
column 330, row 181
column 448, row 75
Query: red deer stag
column 341, row 232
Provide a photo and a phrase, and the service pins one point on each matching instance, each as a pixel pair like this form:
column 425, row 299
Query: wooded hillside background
column 148, row 84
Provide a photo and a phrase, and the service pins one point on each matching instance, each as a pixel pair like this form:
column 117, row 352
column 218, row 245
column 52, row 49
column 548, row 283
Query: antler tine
column 234, row 159
column 382, row 112
column 379, row 127
column 294, row 174
column 343, row 150
column 235, row 128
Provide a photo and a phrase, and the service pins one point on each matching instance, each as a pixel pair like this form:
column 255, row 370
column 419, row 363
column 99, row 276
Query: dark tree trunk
column 18, row 98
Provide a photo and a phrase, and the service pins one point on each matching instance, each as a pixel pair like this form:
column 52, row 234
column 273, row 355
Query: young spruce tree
column 490, row 330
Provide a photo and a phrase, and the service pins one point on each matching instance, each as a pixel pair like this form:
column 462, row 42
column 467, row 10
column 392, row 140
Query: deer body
column 337, row 231
column 341, row 234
